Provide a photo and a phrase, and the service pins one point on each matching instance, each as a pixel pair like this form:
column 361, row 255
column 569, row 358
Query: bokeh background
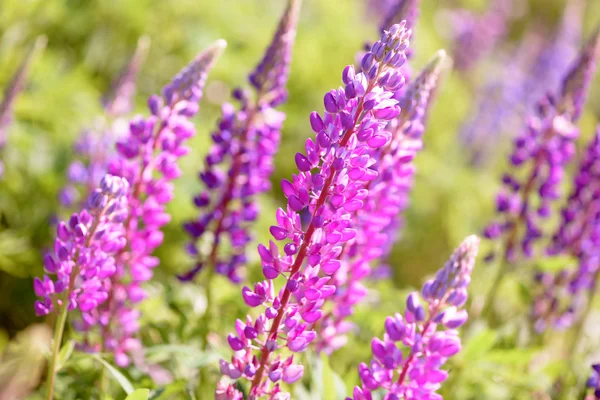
column 90, row 40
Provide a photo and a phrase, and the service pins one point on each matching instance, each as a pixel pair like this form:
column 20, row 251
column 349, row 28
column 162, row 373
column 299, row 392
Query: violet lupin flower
column 517, row 81
column 84, row 251
column 558, row 55
column 83, row 260
column 578, row 236
column 402, row 10
column 330, row 185
column 416, row 373
column 240, row 163
column 12, row 90
column 95, row 146
column 544, row 148
column 147, row 158
column 379, row 222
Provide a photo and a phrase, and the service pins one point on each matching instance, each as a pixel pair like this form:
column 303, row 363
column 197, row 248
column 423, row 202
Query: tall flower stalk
column 147, row 159
column 379, row 222
column 95, row 146
column 240, row 162
column 416, row 372
column 12, row 90
column 83, row 260
column 330, row 186
column 578, row 235
column 542, row 151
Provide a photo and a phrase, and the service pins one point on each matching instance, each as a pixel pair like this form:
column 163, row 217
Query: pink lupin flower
column 330, row 186
column 428, row 335
column 379, row 222
column 147, row 158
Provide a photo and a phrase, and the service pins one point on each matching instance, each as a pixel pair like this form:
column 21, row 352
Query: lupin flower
column 558, row 55
column 415, row 373
column 95, row 147
column 240, row 163
column 147, row 158
column 394, row 12
column 578, row 236
column 594, row 383
column 14, row 87
column 516, row 83
column 84, row 252
column 331, row 188
column 475, row 36
column 542, row 151
column 379, row 222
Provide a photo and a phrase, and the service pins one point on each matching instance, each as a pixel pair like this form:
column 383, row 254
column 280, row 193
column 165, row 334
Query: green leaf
column 119, row 377
column 139, row 394
column 477, row 346
column 65, row 353
column 328, row 389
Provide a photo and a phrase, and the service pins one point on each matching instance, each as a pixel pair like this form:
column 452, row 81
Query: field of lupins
column 299, row 199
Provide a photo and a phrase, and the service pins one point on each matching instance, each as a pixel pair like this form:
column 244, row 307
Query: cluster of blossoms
column 332, row 186
column 379, row 222
column 542, row 151
column 579, row 236
column 238, row 166
column 11, row 92
column 147, row 159
column 417, row 373
column 95, row 146
column 84, row 252
column 516, row 81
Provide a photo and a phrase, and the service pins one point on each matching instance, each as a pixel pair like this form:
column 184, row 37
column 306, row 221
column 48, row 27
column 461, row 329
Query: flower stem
column 207, row 317
column 58, row 334
column 490, row 298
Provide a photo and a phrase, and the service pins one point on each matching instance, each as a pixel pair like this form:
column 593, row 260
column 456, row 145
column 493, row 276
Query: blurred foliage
column 89, row 40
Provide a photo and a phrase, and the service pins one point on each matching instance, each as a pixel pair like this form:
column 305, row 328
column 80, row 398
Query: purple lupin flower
column 578, row 236
column 331, row 188
column 240, row 163
column 395, row 12
column 545, row 147
column 542, row 151
column 556, row 57
column 95, row 147
column 416, row 372
column 83, row 260
column 12, row 90
column 147, row 158
column 593, row 383
column 475, row 36
column 518, row 80
column 379, row 222
column 84, row 250
column 401, row 10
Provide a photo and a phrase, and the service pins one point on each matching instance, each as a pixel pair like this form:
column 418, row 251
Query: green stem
column 560, row 384
column 58, row 334
column 488, row 305
column 207, row 317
